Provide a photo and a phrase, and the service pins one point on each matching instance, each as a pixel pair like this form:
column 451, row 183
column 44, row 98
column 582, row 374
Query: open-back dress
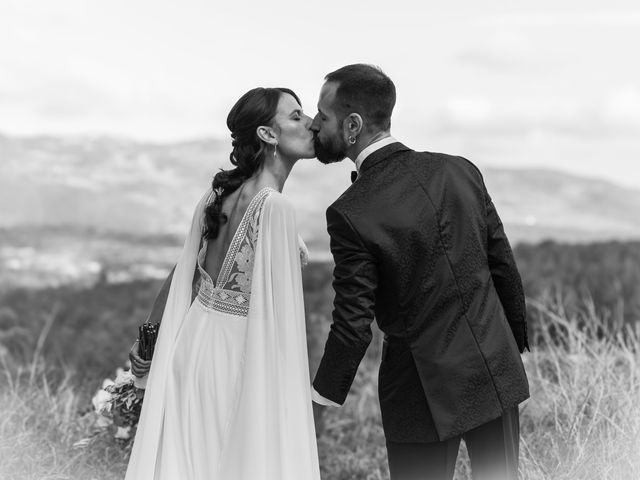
column 228, row 394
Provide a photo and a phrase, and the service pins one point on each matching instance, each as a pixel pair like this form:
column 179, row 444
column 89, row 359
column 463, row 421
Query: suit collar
column 377, row 145
column 380, row 154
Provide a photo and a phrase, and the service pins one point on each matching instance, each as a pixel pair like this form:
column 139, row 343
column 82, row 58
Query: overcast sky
column 553, row 84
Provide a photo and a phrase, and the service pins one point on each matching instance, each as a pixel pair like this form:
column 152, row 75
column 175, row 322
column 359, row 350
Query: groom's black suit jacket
column 418, row 246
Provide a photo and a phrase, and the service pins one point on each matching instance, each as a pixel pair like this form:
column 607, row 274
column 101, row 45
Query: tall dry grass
column 41, row 424
column 581, row 423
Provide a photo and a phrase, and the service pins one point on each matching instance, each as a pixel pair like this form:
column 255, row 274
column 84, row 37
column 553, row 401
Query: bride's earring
column 275, row 149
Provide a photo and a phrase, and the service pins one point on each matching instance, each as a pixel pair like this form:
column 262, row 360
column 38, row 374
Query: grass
column 581, row 423
column 583, row 418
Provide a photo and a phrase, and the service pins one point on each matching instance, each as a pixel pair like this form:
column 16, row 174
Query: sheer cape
column 272, row 434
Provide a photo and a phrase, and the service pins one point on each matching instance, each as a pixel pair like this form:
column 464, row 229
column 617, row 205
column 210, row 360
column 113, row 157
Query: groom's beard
column 328, row 153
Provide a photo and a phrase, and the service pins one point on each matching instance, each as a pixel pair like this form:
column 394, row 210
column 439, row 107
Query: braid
column 224, row 184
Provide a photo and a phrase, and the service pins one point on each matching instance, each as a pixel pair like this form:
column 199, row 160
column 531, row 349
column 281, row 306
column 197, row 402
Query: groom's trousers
column 493, row 451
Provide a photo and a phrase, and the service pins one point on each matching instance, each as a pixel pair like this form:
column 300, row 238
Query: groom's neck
column 364, row 141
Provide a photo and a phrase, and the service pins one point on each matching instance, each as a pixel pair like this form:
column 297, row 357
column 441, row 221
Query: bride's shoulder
column 276, row 201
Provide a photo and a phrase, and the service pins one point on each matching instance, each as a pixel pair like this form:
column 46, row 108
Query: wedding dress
column 228, row 394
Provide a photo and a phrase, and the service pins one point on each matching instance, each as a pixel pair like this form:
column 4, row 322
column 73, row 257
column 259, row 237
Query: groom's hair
column 366, row 90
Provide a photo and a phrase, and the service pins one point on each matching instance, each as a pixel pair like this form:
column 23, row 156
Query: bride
column 228, row 391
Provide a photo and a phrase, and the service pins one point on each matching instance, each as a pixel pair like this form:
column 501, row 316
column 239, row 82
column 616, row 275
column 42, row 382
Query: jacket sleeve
column 355, row 279
column 505, row 275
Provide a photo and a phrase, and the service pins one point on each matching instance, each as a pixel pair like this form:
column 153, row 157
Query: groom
column 419, row 247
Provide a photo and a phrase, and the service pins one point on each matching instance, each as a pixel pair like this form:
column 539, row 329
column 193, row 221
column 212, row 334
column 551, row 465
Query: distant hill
column 539, row 204
column 122, row 185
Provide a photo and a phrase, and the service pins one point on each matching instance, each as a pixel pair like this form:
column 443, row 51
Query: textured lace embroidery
column 232, row 291
column 240, row 275
column 244, row 263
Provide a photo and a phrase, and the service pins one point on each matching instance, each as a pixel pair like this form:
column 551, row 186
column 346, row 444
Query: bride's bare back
column 234, row 207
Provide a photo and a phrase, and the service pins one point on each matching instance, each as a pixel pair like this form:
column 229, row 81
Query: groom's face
column 329, row 141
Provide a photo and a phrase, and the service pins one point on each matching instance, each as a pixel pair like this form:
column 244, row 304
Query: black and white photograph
column 286, row 240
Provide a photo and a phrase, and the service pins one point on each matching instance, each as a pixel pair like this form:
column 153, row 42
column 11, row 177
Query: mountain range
column 122, row 185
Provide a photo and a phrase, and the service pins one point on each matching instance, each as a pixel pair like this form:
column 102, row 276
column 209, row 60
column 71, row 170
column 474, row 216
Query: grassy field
column 582, row 421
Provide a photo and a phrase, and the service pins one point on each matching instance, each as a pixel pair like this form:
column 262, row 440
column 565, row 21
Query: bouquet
column 119, row 403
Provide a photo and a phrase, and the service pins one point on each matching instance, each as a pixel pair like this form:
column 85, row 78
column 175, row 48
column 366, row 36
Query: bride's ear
column 267, row 135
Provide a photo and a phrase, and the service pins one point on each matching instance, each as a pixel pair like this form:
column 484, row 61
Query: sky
column 551, row 83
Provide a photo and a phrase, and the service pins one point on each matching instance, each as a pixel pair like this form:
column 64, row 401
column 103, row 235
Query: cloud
column 615, row 114
column 611, row 18
column 504, row 50
column 622, row 107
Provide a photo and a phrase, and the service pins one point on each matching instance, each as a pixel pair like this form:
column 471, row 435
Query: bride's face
column 295, row 138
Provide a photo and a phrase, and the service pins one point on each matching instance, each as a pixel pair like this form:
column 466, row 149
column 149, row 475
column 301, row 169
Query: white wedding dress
column 228, row 395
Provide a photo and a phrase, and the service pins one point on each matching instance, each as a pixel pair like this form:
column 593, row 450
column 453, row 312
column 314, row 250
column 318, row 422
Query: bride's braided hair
column 255, row 108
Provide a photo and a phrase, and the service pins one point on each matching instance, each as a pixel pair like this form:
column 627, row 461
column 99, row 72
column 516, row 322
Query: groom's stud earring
column 352, row 140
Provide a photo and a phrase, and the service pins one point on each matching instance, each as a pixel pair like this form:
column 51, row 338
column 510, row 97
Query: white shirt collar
column 377, row 145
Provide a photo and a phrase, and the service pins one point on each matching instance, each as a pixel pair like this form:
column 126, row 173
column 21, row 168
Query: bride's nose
column 308, row 121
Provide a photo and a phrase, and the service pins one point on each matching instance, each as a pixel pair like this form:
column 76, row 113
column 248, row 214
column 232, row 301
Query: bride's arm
column 161, row 300
column 140, row 367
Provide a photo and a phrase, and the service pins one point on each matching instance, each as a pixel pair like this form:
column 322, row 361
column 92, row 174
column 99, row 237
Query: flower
column 244, row 281
column 244, row 259
column 123, row 377
column 118, row 404
column 123, row 433
column 102, row 401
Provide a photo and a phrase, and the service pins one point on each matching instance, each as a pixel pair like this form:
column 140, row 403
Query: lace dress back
column 231, row 291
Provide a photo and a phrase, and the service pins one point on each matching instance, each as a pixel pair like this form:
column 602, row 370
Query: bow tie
column 354, row 176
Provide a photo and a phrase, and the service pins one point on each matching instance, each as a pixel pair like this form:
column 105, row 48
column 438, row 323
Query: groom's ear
column 353, row 124
column 267, row 135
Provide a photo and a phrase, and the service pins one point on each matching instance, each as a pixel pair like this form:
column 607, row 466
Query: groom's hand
column 139, row 367
column 318, row 417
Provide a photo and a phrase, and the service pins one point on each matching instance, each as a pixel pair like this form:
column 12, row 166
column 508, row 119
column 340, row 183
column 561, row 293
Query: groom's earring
column 352, row 140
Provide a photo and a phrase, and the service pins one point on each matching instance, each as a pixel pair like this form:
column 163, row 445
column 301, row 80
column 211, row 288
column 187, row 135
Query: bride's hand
column 139, row 367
